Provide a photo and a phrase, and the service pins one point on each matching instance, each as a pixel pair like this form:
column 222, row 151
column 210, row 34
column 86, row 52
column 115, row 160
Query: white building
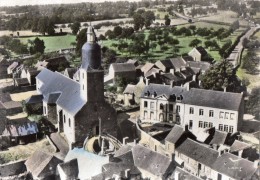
column 197, row 108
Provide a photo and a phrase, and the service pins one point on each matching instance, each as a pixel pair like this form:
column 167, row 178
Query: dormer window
column 154, row 94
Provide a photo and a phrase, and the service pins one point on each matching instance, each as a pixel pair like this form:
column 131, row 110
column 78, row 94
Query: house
column 145, row 68
column 151, row 164
column 81, row 109
column 34, row 104
column 133, row 61
column 4, row 64
column 20, row 82
column 42, row 165
column 29, row 74
column 68, row 170
column 198, row 108
column 54, row 64
column 199, row 54
column 21, row 131
column 129, row 96
column 176, row 137
column 123, row 70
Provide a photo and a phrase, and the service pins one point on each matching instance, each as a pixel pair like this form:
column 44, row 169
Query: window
column 152, row 105
column 201, row 112
column 145, row 104
column 171, row 107
column 210, row 125
column 190, row 124
column 231, row 129
column 226, row 128
column 226, row 115
column 82, row 75
column 211, row 113
column 83, row 86
column 220, row 127
column 44, row 108
column 232, row 116
column 178, row 119
column 200, row 124
column 64, row 118
column 221, row 115
column 145, row 114
column 205, row 124
column 191, row 110
column 178, row 109
column 69, row 122
column 170, row 117
column 161, row 106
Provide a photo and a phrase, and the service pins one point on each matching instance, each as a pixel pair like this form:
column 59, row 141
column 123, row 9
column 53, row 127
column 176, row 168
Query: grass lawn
column 54, row 43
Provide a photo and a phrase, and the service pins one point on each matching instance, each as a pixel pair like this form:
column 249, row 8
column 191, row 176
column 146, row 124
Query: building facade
column 199, row 109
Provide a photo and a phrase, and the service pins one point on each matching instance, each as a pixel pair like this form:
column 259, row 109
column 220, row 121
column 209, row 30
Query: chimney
column 147, row 81
column 172, row 71
column 127, row 173
column 225, row 89
column 256, row 163
column 188, row 86
column 124, row 140
column 194, row 78
column 176, row 175
column 240, row 153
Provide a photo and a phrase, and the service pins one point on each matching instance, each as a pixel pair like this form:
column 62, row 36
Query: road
column 235, row 55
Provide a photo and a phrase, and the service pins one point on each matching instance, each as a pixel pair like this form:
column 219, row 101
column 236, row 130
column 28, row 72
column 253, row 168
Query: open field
column 54, row 43
column 24, row 151
column 21, row 33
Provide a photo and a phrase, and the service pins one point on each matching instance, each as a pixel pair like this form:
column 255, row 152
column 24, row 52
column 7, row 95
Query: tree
column 167, row 20
column 81, row 39
column 193, row 29
column 37, row 46
column 250, row 62
column 138, row 21
column 110, row 34
column 75, row 27
column 149, row 17
column 221, row 75
column 152, row 37
column 195, row 43
column 252, row 105
column 117, row 31
column 223, row 51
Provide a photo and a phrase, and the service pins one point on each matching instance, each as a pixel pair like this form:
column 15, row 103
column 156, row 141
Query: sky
column 35, row 2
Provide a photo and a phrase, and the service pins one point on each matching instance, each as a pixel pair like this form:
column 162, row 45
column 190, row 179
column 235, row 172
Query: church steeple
column 91, row 51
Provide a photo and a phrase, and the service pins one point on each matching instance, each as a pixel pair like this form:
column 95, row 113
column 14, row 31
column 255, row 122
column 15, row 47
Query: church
column 78, row 108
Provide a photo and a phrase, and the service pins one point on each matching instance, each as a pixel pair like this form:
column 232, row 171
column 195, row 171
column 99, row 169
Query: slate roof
column 133, row 61
column 204, row 66
column 188, row 58
column 166, row 63
column 70, row 72
column 239, row 145
column 184, row 175
column 163, row 90
column 147, row 67
column 34, row 99
column 234, row 166
column 20, row 129
column 178, row 63
column 172, row 77
column 70, row 98
column 52, row 98
column 39, row 161
column 219, row 137
column 152, row 72
column 202, row 51
column 151, row 161
column 13, row 65
column 198, row 152
column 22, row 81
column 214, row 99
column 123, row 67
column 130, row 89
column 175, row 134
column 70, row 168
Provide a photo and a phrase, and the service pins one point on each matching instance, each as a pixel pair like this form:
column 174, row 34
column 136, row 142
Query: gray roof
column 39, row 161
column 183, row 175
column 34, row 99
column 147, row 67
column 163, row 90
column 178, row 62
column 239, row 145
column 151, row 161
column 219, row 137
column 234, row 166
column 130, row 89
column 123, row 67
column 214, row 99
column 175, row 134
column 198, row 152
column 23, row 128
column 70, row 72
column 202, row 65
column 173, row 77
column 166, row 63
column 70, row 98
column 202, row 51
column 13, row 65
column 52, row 98
column 70, row 168
column 152, row 72
column 22, row 81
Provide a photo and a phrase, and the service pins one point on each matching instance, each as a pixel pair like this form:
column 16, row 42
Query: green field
column 54, row 43
column 184, row 48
